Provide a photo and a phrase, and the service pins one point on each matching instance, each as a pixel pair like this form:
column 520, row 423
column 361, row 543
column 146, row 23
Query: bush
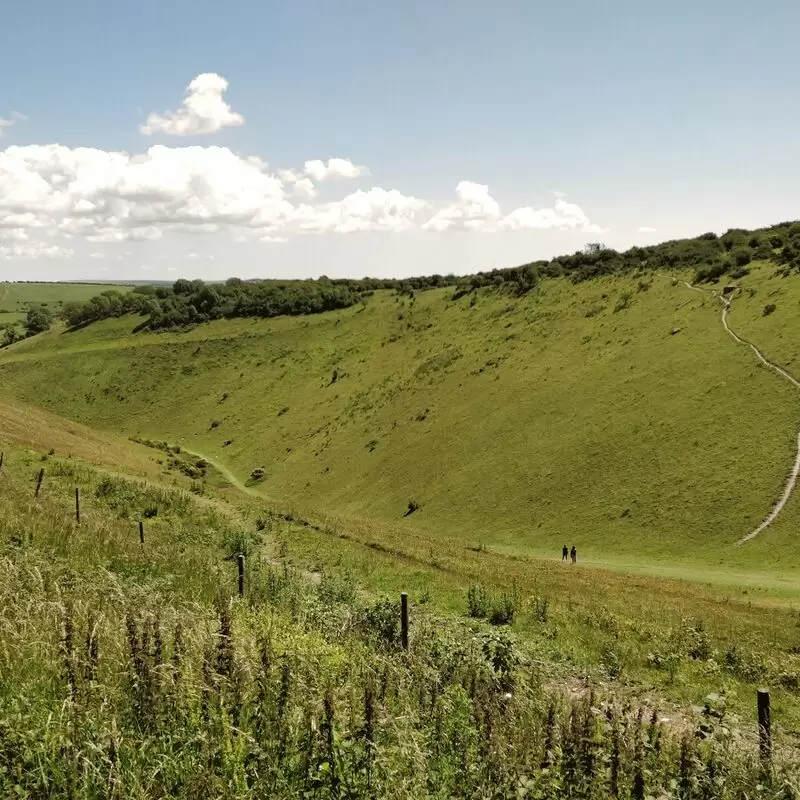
column 504, row 608
column 711, row 273
column 10, row 336
column 37, row 320
column 741, row 256
column 380, row 623
column 477, row 601
column 769, row 308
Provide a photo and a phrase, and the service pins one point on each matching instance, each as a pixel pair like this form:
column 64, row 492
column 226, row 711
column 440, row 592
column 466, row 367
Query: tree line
column 189, row 302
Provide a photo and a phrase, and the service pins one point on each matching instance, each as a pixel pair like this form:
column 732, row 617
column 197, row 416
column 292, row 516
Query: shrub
column 215, row 423
column 477, row 601
column 504, row 607
column 380, row 623
column 762, row 252
column 258, row 474
column 37, row 320
column 10, row 336
column 540, row 607
column 769, row 308
column 741, row 256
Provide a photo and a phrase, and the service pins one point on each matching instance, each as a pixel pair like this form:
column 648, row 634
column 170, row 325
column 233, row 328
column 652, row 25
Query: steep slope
column 616, row 413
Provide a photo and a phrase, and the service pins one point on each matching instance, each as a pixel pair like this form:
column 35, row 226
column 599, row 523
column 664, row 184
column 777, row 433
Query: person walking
column 564, row 553
column 574, row 555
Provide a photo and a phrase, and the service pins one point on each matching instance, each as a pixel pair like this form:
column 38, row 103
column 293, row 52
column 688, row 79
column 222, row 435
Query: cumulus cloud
column 31, row 250
column 373, row 210
column 107, row 197
column 204, row 110
column 563, row 215
column 646, row 229
column 305, row 188
column 66, row 195
column 318, row 170
column 476, row 210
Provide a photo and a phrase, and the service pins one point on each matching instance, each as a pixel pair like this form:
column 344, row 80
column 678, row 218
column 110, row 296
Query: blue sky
column 680, row 117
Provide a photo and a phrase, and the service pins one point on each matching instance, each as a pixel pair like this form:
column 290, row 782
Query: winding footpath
column 791, row 481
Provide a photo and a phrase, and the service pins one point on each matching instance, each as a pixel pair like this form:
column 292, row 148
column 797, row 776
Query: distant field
column 16, row 298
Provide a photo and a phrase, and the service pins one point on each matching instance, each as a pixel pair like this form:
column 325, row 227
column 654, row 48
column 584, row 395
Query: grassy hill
column 615, row 414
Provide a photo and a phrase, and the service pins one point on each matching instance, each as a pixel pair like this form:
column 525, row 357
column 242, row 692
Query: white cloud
column 646, row 229
column 15, row 117
column 31, row 250
column 203, row 111
column 305, row 188
column 335, row 168
column 562, row 215
column 476, row 210
column 109, row 197
column 373, row 210
column 13, row 235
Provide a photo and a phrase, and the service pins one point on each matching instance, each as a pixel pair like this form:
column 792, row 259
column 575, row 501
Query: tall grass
column 133, row 673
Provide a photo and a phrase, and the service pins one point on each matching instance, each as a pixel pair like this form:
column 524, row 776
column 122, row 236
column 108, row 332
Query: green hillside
column 518, row 422
column 431, row 438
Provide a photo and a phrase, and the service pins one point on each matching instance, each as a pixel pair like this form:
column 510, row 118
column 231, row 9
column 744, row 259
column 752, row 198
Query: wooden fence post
column 404, row 620
column 141, row 533
column 39, row 482
column 240, row 561
column 764, row 729
column 77, row 505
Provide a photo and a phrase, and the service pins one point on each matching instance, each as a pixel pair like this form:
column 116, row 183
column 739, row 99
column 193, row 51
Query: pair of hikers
column 573, row 554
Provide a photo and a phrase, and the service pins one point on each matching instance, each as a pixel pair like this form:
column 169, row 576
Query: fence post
column 764, row 729
column 39, row 482
column 240, row 561
column 77, row 505
column 141, row 533
column 404, row 620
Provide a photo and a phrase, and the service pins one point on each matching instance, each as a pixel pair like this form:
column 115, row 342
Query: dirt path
column 791, row 481
column 226, row 473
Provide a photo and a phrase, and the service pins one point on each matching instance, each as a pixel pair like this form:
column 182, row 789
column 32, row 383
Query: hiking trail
column 791, row 481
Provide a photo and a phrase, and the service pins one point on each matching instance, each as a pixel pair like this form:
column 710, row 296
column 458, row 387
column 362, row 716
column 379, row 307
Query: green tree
column 37, row 320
